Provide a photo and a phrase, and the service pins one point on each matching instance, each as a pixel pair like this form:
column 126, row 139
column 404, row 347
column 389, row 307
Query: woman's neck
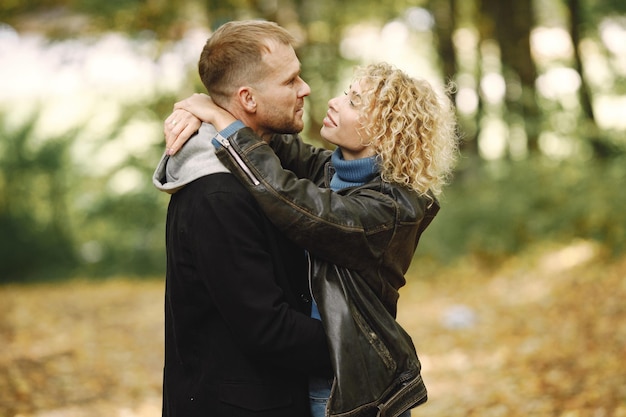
column 352, row 173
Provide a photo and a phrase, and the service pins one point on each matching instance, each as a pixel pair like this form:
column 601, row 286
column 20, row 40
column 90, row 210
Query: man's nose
column 305, row 90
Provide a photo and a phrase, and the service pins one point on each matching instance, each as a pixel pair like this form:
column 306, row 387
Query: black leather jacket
column 361, row 241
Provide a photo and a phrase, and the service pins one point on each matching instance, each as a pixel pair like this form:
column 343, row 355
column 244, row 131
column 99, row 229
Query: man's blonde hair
column 411, row 128
column 233, row 56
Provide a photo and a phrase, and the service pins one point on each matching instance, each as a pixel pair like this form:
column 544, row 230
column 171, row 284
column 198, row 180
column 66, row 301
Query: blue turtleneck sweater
column 351, row 173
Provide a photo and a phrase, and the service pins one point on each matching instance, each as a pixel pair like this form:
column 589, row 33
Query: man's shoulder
column 213, row 196
column 219, row 182
column 222, row 187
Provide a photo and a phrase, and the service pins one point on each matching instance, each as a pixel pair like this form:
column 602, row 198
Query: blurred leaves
column 501, row 208
column 33, row 213
column 56, row 218
column 81, row 201
column 81, row 349
column 547, row 339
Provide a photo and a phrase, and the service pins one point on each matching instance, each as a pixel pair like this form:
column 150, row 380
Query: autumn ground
column 543, row 334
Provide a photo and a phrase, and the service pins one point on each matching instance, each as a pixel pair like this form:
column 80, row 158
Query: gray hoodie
column 196, row 159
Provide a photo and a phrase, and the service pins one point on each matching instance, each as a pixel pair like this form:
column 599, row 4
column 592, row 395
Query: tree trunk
column 513, row 27
column 445, row 24
column 510, row 25
column 589, row 126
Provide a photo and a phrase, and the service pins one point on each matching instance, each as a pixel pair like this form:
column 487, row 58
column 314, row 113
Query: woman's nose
column 332, row 103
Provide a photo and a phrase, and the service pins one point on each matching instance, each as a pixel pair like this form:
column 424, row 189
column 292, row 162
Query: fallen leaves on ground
column 543, row 334
column 81, row 349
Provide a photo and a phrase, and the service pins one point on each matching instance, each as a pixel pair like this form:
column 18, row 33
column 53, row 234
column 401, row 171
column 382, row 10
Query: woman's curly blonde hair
column 411, row 128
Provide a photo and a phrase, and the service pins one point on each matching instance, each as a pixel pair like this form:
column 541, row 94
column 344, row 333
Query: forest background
column 540, row 90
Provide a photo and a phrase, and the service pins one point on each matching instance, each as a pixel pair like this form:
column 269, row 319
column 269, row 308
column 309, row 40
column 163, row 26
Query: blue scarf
column 352, row 173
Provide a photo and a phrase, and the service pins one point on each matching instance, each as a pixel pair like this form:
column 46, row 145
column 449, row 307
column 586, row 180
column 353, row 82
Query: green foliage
column 55, row 217
column 55, row 221
column 606, row 7
column 29, row 249
column 501, row 208
column 33, row 216
column 128, row 232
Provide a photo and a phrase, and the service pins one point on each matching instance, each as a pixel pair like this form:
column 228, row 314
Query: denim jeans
column 319, row 392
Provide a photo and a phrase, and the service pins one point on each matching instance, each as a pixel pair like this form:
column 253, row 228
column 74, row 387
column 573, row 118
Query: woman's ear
column 246, row 99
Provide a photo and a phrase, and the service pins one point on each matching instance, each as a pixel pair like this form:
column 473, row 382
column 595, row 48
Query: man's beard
column 291, row 126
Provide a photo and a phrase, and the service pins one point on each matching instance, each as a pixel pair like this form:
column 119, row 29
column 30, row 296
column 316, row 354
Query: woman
column 359, row 211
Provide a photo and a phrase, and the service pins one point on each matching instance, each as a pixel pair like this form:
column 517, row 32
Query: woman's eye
column 345, row 93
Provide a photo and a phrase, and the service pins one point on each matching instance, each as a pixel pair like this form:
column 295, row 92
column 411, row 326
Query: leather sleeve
column 349, row 229
column 303, row 159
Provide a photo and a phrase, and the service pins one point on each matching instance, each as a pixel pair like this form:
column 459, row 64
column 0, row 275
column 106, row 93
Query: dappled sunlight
column 518, row 289
column 86, row 83
column 402, row 43
column 613, row 34
column 557, row 146
column 551, row 43
column 552, row 46
column 492, row 142
column 611, row 112
column 598, row 69
column 74, row 82
column 127, row 180
column 493, row 87
column 130, row 142
column 577, row 254
column 558, row 82
column 467, row 100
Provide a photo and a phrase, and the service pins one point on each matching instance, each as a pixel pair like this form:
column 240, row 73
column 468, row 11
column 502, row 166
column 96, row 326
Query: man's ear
column 246, row 99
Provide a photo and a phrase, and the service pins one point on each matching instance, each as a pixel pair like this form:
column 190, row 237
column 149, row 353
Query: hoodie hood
column 196, row 159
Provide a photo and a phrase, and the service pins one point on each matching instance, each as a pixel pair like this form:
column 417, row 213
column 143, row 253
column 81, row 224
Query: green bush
column 500, row 208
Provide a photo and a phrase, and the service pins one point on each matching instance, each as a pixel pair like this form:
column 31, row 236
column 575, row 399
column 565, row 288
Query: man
column 239, row 339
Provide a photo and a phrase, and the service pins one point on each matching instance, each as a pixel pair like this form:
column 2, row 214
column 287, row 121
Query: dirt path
column 542, row 335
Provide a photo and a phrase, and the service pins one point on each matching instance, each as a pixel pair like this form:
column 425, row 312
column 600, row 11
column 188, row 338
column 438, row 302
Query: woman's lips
column 328, row 121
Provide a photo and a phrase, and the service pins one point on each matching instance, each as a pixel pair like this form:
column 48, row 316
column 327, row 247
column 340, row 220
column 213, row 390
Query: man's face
column 280, row 95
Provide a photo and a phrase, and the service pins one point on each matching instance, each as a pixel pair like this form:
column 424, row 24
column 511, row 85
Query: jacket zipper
column 310, row 266
column 411, row 381
column 226, row 144
column 310, row 276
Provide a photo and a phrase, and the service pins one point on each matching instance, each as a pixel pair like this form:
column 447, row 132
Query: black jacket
column 362, row 240
column 238, row 337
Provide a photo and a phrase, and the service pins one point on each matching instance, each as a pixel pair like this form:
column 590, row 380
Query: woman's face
column 341, row 124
